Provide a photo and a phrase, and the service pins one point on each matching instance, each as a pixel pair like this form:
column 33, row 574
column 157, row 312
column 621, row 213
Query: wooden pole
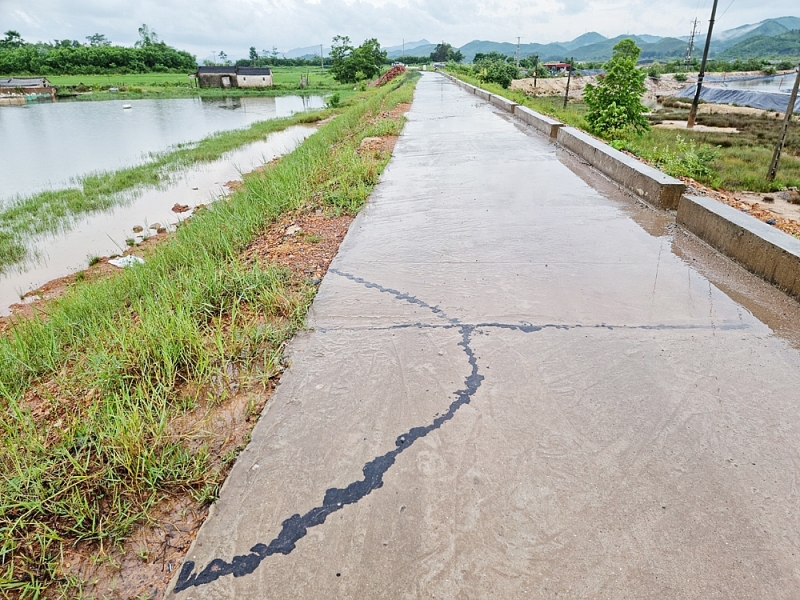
column 569, row 78
column 773, row 167
column 701, row 76
column 535, row 69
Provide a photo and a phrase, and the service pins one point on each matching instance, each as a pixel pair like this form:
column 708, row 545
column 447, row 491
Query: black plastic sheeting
column 763, row 100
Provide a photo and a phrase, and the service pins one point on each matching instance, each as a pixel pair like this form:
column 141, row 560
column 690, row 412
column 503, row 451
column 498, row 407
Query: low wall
column 504, row 103
column 758, row 247
column 543, row 123
column 651, row 185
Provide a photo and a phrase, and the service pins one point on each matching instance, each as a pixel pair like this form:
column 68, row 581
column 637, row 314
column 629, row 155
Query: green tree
column 615, row 103
column 147, row 37
column 253, row 53
column 98, row 39
column 349, row 64
column 445, row 53
column 12, row 40
column 495, row 68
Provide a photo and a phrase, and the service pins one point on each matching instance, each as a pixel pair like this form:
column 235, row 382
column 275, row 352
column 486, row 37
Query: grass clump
column 90, row 393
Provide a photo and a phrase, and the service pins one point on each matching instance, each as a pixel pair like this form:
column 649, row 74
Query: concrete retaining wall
column 504, row 103
column 758, row 247
column 654, row 187
column 543, row 123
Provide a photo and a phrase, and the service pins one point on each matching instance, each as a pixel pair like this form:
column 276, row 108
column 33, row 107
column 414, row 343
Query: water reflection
column 104, row 233
column 54, row 142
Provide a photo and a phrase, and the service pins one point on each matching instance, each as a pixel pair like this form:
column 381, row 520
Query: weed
column 130, row 241
column 93, row 260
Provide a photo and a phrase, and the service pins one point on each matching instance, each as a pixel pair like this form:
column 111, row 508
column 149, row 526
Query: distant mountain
column 409, row 47
column 307, row 52
column 650, row 39
column 723, row 40
column 784, row 45
column 423, row 50
column 583, row 40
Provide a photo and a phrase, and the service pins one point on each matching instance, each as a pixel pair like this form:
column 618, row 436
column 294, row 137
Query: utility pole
column 773, row 167
column 518, row 52
column 535, row 68
column 696, row 101
column 569, row 77
column 321, row 57
column 404, row 48
column 690, row 49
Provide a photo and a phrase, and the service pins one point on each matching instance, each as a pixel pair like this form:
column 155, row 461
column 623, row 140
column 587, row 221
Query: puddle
column 105, row 233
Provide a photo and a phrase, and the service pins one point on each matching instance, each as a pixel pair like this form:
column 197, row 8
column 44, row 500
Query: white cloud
column 235, row 25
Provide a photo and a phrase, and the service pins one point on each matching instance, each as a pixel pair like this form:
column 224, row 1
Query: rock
column 791, row 196
column 161, row 230
column 155, row 226
column 138, row 229
column 316, row 281
column 180, row 208
column 770, row 221
column 769, row 199
column 293, row 230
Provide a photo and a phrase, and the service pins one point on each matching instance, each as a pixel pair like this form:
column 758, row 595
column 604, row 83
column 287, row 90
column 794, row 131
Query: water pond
column 107, row 232
column 45, row 145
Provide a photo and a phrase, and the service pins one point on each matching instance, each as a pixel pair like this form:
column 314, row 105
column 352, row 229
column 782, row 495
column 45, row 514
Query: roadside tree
column 446, row 53
column 615, row 103
column 495, row 68
column 350, row 65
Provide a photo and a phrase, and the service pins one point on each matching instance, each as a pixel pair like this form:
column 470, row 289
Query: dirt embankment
column 557, row 86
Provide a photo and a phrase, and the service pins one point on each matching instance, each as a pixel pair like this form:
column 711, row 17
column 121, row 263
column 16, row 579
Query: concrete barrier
column 760, row 248
column 543, row 123
column 504, row 103
column 654, row 187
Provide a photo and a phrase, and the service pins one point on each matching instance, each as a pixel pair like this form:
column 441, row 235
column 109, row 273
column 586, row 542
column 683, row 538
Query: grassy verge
column 720, row 160
column 89, row 391
column 177, row 85
column 51, row 210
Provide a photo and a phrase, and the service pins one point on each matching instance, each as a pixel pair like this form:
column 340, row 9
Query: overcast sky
column 234, row 25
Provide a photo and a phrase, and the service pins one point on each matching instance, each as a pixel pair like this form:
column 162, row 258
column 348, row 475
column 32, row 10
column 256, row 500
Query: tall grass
column 51, row 210
column 88, row 391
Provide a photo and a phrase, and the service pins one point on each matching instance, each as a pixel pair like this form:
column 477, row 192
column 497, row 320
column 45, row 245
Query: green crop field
column 284, row 78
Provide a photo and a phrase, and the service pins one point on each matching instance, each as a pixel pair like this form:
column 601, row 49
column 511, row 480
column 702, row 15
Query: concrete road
column 518, row 385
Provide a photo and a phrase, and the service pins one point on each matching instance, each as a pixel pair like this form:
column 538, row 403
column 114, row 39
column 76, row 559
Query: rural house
column 20, row 91
column 234, row 77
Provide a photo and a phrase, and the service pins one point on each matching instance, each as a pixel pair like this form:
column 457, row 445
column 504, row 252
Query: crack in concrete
column 296, row 527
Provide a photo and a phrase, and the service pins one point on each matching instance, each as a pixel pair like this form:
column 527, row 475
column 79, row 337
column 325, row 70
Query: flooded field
column 55, row 142
column 107, row 232
column 778, row 83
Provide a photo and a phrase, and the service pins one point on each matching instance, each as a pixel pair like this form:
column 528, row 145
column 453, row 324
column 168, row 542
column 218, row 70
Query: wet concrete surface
column 103, row 233
column 519, row 384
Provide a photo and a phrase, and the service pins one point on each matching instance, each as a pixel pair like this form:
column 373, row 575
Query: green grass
column 177, row 85
column 51, row 211
column 116, row 361
column 740, row 161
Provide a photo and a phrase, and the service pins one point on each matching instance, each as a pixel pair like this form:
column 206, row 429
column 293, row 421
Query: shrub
column 680, row 76
column 493, row 70
column 615, row 103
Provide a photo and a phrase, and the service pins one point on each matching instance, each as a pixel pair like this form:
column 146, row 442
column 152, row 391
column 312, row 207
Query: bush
column 680, row 76
column 351, row 65
column 492, row 70
column 334, row 101
column 615, row 103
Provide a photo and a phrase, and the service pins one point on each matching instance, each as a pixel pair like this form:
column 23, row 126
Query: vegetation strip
column 91, row 391
column 52, row 210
